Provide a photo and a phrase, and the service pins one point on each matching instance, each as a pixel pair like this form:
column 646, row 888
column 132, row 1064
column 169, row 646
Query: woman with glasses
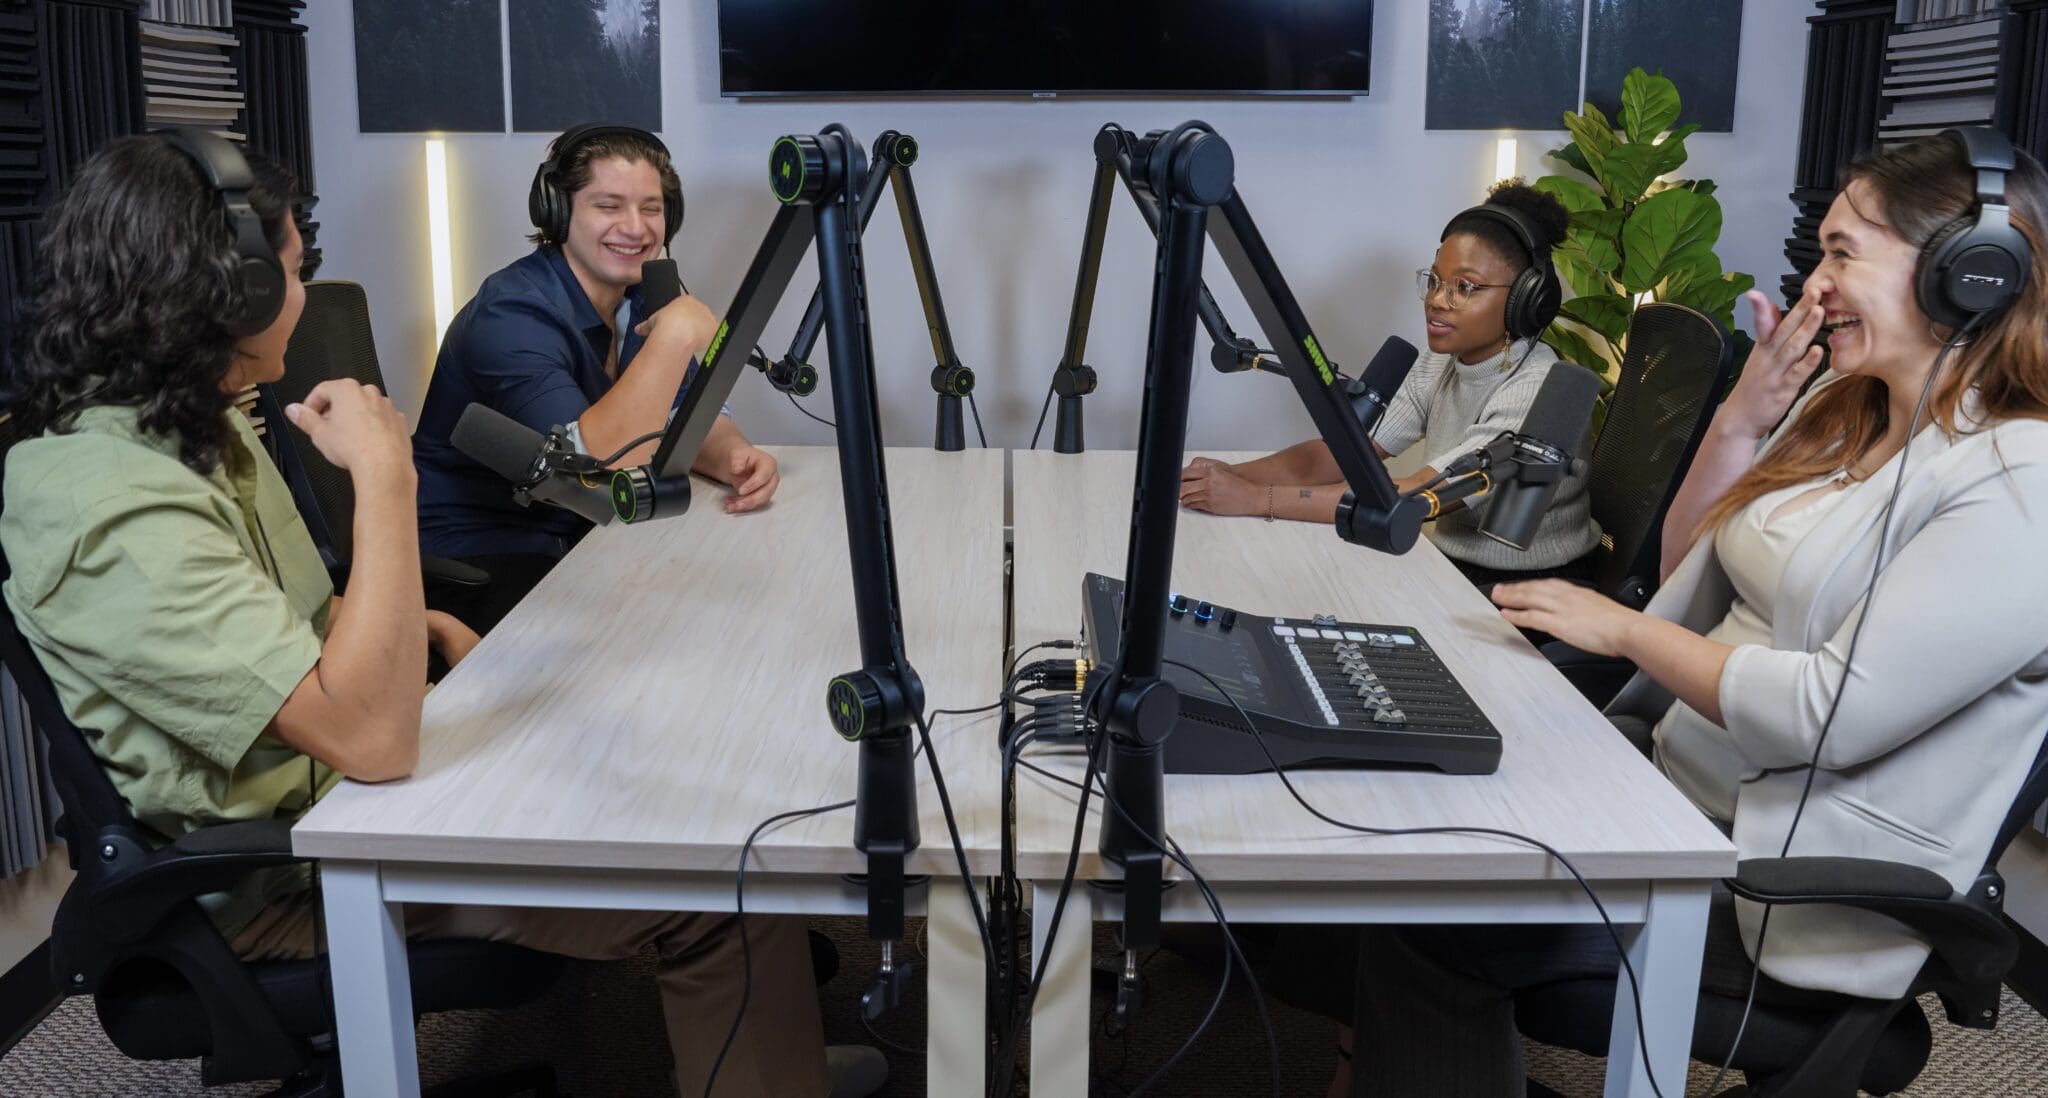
column 1482, row 370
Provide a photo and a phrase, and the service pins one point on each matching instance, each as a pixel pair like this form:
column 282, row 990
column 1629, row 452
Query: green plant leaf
column 1697, row 186
column 1594, row 137
column 1668, row 231
column 1578, row 273
column 1575, row 196
column 1671, row 151
column 1625, row 172
column 1573, row 347
column 1599, row 257
column 1606, row 314
column 1572, row 158
column 1649, row 105
column 1715, row 297
column 1599, row 118
column 1597, row 233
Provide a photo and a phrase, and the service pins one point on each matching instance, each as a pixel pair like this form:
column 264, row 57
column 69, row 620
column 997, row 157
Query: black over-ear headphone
column 1977, row 264
column 548, row 207
column 260, row 275
column 1535, row 295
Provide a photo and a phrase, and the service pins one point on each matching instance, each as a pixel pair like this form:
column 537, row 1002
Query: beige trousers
column 780, row 1047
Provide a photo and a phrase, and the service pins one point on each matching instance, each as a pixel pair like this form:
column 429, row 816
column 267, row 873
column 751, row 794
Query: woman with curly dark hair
column 1478, row 378
column 170, row 590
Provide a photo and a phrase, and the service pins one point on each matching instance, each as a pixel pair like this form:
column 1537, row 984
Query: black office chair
column 333, row 340
column 1811, row 1045
column 1673, row 373
column 167, row 985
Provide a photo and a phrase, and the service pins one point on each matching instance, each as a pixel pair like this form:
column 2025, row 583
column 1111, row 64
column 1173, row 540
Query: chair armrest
column 1565, row 657
column 138, row 888
column 1967, row 931
column 1598, row 678
column 452, row 572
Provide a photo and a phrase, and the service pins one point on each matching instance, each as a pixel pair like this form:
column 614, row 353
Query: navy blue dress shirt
column 531, row 346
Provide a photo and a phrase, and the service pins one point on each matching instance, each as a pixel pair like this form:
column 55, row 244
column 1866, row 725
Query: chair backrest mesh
column 332, row 341
column 1674, row 370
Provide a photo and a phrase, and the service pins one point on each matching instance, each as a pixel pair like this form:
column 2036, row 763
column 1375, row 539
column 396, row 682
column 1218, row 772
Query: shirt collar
column 583, row 313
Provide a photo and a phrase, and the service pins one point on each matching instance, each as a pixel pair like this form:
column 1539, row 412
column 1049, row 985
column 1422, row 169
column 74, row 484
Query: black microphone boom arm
column 1373, row 513
column 877, row 703
column 661, row 488
column 894, row 153
column 1189, row 172
column 1072, row 378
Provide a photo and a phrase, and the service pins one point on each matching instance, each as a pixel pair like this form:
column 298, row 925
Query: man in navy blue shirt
column 559, row 339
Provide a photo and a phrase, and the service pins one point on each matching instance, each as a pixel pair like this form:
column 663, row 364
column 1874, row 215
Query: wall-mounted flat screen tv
column 863, row 48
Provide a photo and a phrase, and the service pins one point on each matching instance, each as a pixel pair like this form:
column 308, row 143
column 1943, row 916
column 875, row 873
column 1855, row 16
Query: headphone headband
column 1517, row 223
column 1535, row 295
column 226, row 172
column 548, row 208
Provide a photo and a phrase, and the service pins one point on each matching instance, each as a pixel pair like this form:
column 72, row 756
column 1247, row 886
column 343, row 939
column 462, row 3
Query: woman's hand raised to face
column 1784, row 358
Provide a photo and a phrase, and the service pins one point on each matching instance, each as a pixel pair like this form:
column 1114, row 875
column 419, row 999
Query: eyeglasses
column 1427, row 284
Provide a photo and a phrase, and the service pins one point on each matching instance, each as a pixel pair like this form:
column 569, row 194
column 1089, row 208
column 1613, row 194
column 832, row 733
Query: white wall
column 1349, row 194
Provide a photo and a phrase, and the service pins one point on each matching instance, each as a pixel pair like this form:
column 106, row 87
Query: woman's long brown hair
column 1923, row 185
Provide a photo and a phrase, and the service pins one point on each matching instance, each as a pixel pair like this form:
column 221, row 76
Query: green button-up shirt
column 174, row 613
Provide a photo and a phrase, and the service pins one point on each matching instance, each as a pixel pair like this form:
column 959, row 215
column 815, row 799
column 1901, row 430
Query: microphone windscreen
column 1563, row 407
column 659, row 284
column 498, row 442
column 1389, row 368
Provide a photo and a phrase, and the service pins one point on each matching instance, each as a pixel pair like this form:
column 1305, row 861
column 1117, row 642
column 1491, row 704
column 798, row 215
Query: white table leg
column 956, row 1038
column 1060, row 1017
column 1666, row 951
column 372, row 986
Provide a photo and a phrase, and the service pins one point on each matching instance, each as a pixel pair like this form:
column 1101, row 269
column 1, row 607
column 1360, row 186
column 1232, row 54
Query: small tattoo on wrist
column 1306, row 493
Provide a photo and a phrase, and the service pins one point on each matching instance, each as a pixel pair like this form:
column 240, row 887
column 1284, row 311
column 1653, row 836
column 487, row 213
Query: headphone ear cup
column 1525, row 308
column 671, row 215
column 537, row 199
column 1930, row 286
column 1544, row 300
column 262, row 283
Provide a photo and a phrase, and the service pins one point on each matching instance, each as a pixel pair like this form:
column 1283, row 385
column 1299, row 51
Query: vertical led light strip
column 437, row 236
column 1504, row 158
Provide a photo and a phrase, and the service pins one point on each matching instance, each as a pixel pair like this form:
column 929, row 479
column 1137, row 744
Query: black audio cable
column 1208, row 892
column 1006, row 1058
column 740, row 914
column 1259, row 737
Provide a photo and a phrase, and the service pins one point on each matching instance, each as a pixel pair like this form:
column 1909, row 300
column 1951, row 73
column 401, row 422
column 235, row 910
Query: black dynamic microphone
column 1522, row 469
column 660, row 283
column 1373, row 390
column 1551, row 436
column 540, row 467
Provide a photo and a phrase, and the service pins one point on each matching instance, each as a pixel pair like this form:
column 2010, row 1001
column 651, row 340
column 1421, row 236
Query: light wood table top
column 662, row 691
column 1565, row 776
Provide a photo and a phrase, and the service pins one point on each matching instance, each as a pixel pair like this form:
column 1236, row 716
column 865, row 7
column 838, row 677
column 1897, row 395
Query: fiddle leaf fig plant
column 1635, row 236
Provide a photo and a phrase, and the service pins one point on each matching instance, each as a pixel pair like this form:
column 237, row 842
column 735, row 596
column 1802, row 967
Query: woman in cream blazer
column 1931, row 687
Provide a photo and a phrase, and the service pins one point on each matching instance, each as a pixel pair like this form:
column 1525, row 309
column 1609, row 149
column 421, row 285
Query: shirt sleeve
column 1407, row 414
column 161, row 609
column 1952, row 616
column 521, row 363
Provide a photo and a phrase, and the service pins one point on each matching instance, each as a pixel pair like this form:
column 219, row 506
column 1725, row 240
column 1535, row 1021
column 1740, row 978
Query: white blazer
column 1946, row 706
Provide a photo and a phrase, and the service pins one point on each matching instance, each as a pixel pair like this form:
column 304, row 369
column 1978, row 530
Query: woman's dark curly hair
column 1545, row 214
column 136, row 288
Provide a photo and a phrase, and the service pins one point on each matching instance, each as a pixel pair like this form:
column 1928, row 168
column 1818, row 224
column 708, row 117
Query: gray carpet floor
column 601, row 1028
